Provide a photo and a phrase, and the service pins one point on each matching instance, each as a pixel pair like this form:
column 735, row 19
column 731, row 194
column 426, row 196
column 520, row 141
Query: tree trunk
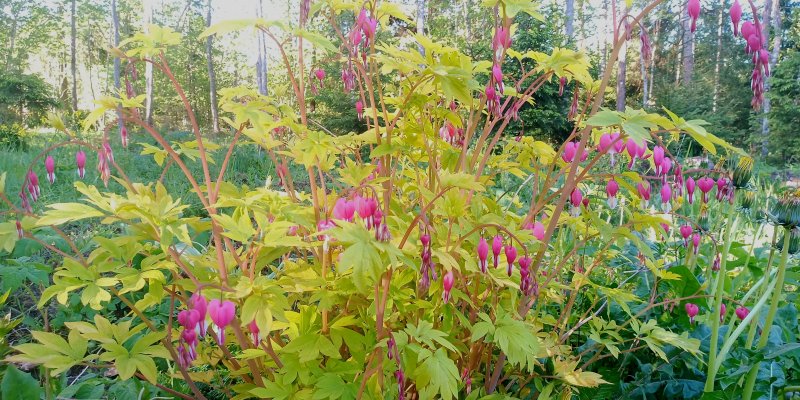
column 773, row 59
column 421, row 16
column 212, row 78
column 115, row 26
column 622, row 71
column 12, row 41
column 688, row 48
column 261, row 61
column 147, row 20
column 606, row 34
column 718, row 60
column 74, row 67
column 569, row 24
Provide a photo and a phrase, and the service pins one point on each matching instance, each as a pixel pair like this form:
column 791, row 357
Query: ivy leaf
column 437, row 375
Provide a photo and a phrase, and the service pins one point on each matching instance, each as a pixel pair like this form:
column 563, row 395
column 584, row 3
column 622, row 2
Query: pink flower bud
column 696, row 242
column 50, row 166
column 754, row 43
column 511, row 256
column 644, row 190
column 716, row 264
column 538, row 231
column 253, row 328
column 123, row 135
column 497, row 77
column 693, row 8
column 666, row 194
column 497, row 248
column 742, row 312
column 690, row 189
column 736, row 16
column 658, row 156
column 188, row 318
column 686, row 232
column 570, row 149
column 722, row 311
column 576, row 197
column 483, row 253
column 360, row 109
column 33, row 185
column 425, row 239
column 691, row 311
column 447, row 285
column 80, row 162
column 320, row 74
column 612, row 187
column 20, row 232
column 562, row 82
column 748, row 28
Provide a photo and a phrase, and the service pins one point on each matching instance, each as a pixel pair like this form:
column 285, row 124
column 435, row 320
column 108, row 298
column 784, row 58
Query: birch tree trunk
column 147, row 20
column 718, row 60
column 421, row 11
column 212, row 78
column 688, row 48
column 261, row 61
column 569, row 25
column 73, row 65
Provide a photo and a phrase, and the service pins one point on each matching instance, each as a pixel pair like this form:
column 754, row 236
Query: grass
column 248, row 166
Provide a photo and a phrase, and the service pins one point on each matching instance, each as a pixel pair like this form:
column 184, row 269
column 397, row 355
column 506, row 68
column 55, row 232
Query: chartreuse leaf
column 567, row 372
column 362, row 253
column 332, row 386
column 60, row 213
column 425, row 333
column 52, row 351
column 436, row 376
column 657, row 337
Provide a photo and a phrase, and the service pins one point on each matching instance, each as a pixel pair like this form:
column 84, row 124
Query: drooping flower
column 576, row 198
column 570, row 149
column 80, row 162
column 691, row 311
column 696, row 242
column 344, row 209
column 658, row 157
column 501, row 42
column 188, row 318
column 562, row 82
column 705, row 184
column 644, row 192
column 690, row 189
column 693, row 8
column 511, row 256
column 497, row 248
column 199, row 303
column 447, row 285
column 20, row 232
column 742, row 312
column 222, row 314
column 612, row 187
column 538, row 230
column 360, row 109
column 33, row 185
column 483, row 254
column 123, row 135
column 736, row 16
column 254, row 331
column 525, row 282
column 722, row 310
column 748, row 28
column 716, row 264
column 497, row 77
column 50, row 166
column 686, row 232
column 320, row 74
column 635, row 151
column 666, row 197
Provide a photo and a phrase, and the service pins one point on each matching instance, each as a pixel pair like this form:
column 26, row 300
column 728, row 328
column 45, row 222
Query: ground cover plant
column 398, row 262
